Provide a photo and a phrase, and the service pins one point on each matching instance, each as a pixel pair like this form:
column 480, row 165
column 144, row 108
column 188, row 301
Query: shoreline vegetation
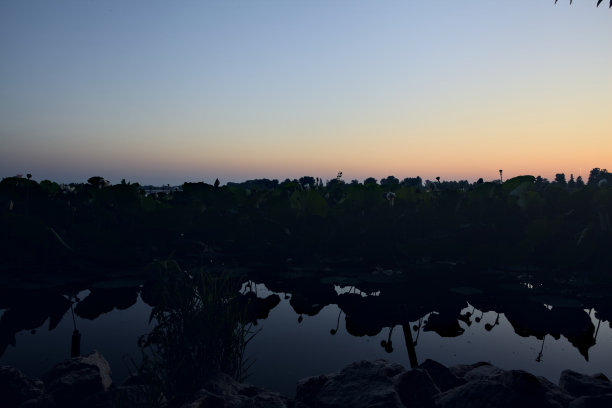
column 560, row 227
column 305, row 236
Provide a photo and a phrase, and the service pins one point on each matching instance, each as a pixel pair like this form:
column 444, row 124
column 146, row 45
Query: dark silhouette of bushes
column 525, row 221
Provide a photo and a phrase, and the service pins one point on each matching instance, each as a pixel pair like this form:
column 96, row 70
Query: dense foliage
column 559, row 225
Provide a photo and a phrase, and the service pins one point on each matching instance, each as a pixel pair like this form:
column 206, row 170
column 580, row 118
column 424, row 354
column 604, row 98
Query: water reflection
column 27, row 310
column 448, row 312
column 75, row 344
column 459, row 317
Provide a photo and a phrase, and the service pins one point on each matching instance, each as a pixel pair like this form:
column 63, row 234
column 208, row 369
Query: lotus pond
column 303, row 325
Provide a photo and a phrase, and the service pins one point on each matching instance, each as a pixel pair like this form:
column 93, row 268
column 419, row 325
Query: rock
column 505, row 389
column 308, row 388
column 133, row 396
column 416, row 388
column 580, row 385
column 441, row 375
column 462, row 369
column 71, row 381
column 361, row 384
column 207, row 399
column 598, row 401
column 477, row 393
column 224, row 391
column 16, row 388
column 532, row 390
column 482, row 371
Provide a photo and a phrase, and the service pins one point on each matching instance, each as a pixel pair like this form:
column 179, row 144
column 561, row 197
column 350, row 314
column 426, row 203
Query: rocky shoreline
column 86, row 381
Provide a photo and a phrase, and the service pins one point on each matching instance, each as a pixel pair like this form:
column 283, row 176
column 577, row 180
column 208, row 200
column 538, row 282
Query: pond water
column 286, row 350
column 319, row 329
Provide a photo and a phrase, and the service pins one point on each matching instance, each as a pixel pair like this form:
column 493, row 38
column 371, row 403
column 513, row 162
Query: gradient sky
column 163, row 92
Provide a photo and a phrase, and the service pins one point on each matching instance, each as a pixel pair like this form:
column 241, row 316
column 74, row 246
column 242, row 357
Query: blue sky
column 165, row 92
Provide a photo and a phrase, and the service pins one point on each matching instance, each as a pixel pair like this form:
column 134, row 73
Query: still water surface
column 290, row 346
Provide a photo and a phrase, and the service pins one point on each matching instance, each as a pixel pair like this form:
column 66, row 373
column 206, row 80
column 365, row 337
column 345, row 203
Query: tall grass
column 199, row 332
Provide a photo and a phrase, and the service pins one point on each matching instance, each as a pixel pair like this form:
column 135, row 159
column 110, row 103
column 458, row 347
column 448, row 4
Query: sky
column 163, row 92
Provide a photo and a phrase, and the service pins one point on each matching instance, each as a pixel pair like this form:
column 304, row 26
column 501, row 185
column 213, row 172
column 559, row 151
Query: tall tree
column 596, row 175
column 370, row 181
column 412, row 182
column 389, row 181
column 560, row 179
column 571, row 183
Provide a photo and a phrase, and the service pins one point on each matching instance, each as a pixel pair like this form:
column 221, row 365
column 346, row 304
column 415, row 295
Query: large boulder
column 16, row 388
column 361, row 384
column 441, row 375
column 224, row 392
column 514, row 388
column 477, row 371
column 416, row 388
column 534, row 390
column 71, row 381
column 132, row 396
column 580, row 385
column 478, row 393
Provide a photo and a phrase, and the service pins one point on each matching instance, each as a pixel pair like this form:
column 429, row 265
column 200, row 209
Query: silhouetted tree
column 97, row 181
column 596, row 175
column 389, row 181
column 307, row 180
column 560, row 179
column 370, row 181
column 571, row 183
column 579, row 182
column 335, row 182
column 541, row 180
column 454, row 185
column 412, row 182
column 431, row 185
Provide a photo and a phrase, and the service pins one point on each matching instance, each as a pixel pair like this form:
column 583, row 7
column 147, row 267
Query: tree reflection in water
column 203, row 320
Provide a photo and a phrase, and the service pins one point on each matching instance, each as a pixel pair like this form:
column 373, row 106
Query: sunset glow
column 159, row 92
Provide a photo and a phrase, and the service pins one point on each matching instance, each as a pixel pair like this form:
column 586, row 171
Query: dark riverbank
column 87, row 381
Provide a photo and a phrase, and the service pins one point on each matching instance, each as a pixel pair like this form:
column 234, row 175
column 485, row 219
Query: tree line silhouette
column 523, row 221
